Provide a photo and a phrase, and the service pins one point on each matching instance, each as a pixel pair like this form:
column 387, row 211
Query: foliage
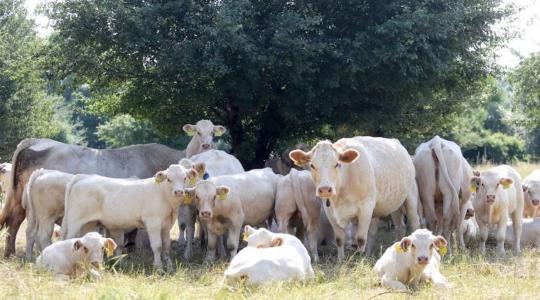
column 277, row 71
column 124, row 130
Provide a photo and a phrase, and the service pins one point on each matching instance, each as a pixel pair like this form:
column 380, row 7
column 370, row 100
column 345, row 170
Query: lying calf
column 413, row 260
column 530, row 235
column 269, row 257
column 67, row 259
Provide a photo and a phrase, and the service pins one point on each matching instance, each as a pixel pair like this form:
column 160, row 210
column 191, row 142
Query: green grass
column 472, row 275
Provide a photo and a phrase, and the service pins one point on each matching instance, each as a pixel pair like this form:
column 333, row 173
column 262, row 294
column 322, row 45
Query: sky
column 526, row 23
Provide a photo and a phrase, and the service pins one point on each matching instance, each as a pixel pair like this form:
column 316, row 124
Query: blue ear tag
column 206, row 175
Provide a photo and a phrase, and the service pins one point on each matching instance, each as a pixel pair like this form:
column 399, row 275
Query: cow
column 469, row 226
column 137, row 160
column 498, row 195
column 254, row 191
column 5, row 178
column 531, row 194
column 269, row 257
column 359, row 179
column 283, row 164
column 216, row 163
column 530, row 235
column 295, row 199
column 202, row 133
column 43, row 200
column 413, row 260
column 67, row 258
column 126, row 204
column 443, row 178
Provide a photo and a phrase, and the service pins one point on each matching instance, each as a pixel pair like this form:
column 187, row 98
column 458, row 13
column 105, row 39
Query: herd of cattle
column 334, row 192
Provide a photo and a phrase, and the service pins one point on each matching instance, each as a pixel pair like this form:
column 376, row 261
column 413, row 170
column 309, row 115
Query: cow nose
column 206, row 214
column 325, row 190
column 96, row 264
column 490, row 199
column 178, row 193
column 469, row 213
column 206, row 146
column 535, row 202
column 422, row 260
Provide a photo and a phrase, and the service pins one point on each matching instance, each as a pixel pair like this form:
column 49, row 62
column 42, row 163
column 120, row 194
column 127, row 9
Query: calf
column 413, row 260
column 43, row 200
column 125, row 204
column 269, row 257
column 5, row 178
column 530, row 235
column 202, row 133
column 68, row 258
column 498, row 195
column 295, row 198
column 531, row 194
column 468, row 226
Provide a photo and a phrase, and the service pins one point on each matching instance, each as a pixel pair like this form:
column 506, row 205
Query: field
column 473, row 276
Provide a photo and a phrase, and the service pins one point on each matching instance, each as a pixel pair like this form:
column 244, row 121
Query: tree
column 277, row 71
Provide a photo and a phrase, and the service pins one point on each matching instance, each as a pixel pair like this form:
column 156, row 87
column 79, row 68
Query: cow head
column 325, row 162
column 488, row 185
column 531, row 193
column 200, row 167
column 91, row 247
column 261, row 238
column 175, row 178
column 206, row 195
column 422, row 245
column 203, row 134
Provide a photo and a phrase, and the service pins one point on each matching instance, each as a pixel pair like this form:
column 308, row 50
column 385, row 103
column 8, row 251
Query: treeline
column 273, row 72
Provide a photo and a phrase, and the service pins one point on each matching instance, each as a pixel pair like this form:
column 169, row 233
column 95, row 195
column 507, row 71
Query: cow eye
column 431, row 246
column 198, row 133
column 168, row 180
column 336, row 166
column 412, row 245
column 312, row 166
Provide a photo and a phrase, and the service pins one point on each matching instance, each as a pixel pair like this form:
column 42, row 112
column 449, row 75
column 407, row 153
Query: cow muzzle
column 469, row 213
column 325, row 192
column 204, row 214
column 178, row 193
column 205, row 146
column 535, row 202
column 423, row 260
column 490, row 199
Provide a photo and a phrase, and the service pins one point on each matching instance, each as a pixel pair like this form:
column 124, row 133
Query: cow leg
column 364, row 219
column 283, row 224
column 44, row 233
column 484, row 231
column 428, row 203
column 30, row 239
column 233, row 239
column 397, row 219
column 221, row 246
column 189, row 217
column 411, row 205
column 517, row 226
column 211, row 250
column 14, row 223
column 372, row 235
column 501, row 235
column 312, row 230
column 339, row 233
column 182, row 225
column 118, row 237
column 154, row 233
column 166, row 244
column 391, row 283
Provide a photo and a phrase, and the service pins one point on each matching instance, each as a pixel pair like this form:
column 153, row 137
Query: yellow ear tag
column 109, row 250
column 187, row 199
column 506, row 185
column 473, row 188
column 398, row 248
column 245, row 236
column 192, row 181
column 158, row 179
column 443, row 251
column 222, row 197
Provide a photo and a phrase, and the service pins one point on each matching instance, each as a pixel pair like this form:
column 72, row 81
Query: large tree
column 274, row 71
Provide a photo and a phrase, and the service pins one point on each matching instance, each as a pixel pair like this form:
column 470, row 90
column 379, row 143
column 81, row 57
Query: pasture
column 472, row 275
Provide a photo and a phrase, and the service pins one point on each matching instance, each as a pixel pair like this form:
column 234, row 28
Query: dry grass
column 472, row 275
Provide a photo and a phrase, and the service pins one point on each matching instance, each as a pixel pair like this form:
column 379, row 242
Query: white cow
column 359, row 179
column 295, row 198
column 202, row 133
column 256, row 192
column 531, row 193
column 216, row 163
column 43, row 200
column 269, row 257
column 498, row 195
column 413, row 260
column 530, row 235
column 68, row 258
column 443, row 177
column 125, row 204
column 5, row 178
column 469, row 226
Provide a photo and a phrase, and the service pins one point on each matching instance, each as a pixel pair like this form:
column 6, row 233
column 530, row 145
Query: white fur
column 531, row 184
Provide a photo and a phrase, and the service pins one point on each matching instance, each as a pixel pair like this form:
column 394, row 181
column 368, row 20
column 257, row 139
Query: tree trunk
column 268, row 134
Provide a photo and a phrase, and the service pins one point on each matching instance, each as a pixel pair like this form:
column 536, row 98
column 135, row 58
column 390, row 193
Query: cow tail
column 12, row 190
column 27, row 203
column 69, row 186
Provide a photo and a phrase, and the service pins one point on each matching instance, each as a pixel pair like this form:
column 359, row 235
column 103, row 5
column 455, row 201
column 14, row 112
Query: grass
column 472, row 275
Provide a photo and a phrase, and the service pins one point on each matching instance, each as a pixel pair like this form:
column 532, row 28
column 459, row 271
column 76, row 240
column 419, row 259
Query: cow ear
column 506, row 182
column 476, row 173
column 249, row 230
column 186, row 163
column 190, row 130
column 299, row 157
column 525, row 188
column 189, row 195
column 77, row 245
column 440, row 242
column 475, row 183
column 2, row 169
column 219, row 130
column 405, row 244
column 222, row 192
column 160, row 176
column 191, row 178
column 109, row 245
column 276, row 242
column 348, row 156
column 200, row 168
